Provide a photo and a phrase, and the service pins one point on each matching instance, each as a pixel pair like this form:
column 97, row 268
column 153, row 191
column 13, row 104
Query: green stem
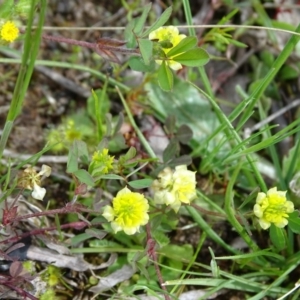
column 59, row 64
column 281, row 59
column 31, row 48
column 192, row 32
column 231, row 212
column 208, row 230
column 191, row 262
column 230, row 131
column 135, row 127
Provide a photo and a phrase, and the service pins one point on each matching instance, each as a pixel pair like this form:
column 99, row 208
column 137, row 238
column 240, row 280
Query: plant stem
column 231, row 212
column 152, row 255
column 31, row 48
column 135, row 127
column 101, row 44
column 74, row 225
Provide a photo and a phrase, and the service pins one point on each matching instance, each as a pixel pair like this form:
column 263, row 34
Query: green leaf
column 108, row 123
column 117, row 143
column 72, row 164
column 288, row 72
column 131, row 153
column 165, row 77
column 267, row 58
column 79, row 238
column 182, row 160
column 96, row 233
column 178, row 251
column 193, row 58
column 161, row 238
column 129, row 35
column 105, row 105
column 6, row 9
column 183, row 46
column 120, row 121
column 83, row 152
column 103, row 144
column 238, row 44
column 171, row 150
column 170, row 124
column 84, row 177
column 291, row 163
column 141, row 183
column 190, row 108
column 22, row 8
column 146, row 47
column 159, row 22
column 111, row 176
column 184, row 134
column 294, row 222
column 137, row 63
column 277, row 237
column 138, row 28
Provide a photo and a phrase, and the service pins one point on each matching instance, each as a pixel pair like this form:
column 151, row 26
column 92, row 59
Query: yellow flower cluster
column 175, row 187
column 272, row 207
column 30, row 179
column 9, row 32
column 168, row 37
column 128, row 212
column 101, row 163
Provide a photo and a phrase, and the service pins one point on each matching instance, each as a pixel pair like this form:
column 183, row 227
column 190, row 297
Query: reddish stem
column 69, row 208
column 152, row 254
column 19, row 291
column 101, row 44
column 75, row 225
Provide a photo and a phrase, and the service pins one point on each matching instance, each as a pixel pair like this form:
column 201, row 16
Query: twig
column 153, row 256
column 75, row 225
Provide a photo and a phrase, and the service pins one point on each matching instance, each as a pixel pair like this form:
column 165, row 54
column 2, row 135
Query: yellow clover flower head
column 101, row 163
column 170, row 35
column 175, row 187
column 9, row 32
column 128, row 212
column 31, row 179
column 272, row 207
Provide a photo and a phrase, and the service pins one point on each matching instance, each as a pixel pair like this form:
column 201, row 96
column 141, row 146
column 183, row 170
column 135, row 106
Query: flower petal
column 175, row 206
column 174, row 65
column 260, row 197
column 282, row 223
column 131, row 230
column 116, row 227
column 46, row 170
column 124, row 191
column 264, row 224
column 108, row 213
column 289, row 207
column 38, row 192
column 258, row 211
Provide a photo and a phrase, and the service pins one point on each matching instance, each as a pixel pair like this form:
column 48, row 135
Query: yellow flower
column 101, row 163
column 170, row 37
column 173, row 188
column 129, row 211
column 31, row 180
column 272, row 207
column 9, row 31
